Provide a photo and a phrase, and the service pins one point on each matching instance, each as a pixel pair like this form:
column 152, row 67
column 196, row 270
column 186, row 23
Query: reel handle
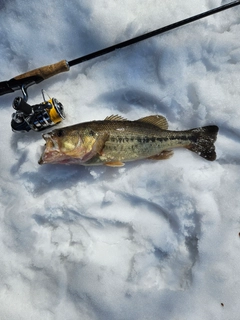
column 20, row 104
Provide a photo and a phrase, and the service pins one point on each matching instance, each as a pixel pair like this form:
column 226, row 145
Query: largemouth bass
column 116, row 140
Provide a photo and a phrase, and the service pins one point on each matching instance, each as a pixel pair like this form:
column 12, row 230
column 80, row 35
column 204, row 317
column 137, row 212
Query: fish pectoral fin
column 156, row 120
column 100, row 143
column 165, row 154
column 96, row 147
column 114, row 164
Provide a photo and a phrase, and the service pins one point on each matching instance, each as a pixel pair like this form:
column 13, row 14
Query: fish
column 116, row 140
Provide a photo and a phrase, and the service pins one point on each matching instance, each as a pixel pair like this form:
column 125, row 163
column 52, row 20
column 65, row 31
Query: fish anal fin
column 156, row 120
column 114, row 164
column 115, row 117
column 166, row 154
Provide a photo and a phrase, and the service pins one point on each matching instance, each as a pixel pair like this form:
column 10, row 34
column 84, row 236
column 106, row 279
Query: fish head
column 63, row 146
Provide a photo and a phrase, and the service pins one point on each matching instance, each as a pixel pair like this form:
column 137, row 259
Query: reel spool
column 37, row 117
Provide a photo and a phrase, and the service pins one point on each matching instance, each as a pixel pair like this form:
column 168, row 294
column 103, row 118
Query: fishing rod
column 23, row 81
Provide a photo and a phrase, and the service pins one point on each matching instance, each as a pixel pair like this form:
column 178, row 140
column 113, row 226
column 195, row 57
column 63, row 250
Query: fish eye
column 91, row 133
column 60, row 133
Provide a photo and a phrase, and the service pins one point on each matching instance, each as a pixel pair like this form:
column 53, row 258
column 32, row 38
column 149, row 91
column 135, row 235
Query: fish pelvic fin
column 114, row 164
column 203, row 142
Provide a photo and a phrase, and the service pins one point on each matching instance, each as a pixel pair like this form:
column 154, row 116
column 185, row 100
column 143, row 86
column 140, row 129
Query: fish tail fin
column 203, row 142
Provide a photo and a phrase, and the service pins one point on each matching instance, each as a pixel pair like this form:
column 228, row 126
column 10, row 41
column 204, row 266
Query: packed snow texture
column 151, row 240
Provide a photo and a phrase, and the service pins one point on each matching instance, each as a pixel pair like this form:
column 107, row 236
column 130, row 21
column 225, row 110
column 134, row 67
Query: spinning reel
column 36, row 117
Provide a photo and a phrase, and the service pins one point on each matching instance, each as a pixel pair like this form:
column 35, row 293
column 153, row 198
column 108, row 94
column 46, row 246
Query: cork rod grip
column 46, row 71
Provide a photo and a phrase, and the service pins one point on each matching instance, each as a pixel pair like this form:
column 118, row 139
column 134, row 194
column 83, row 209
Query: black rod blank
column 152, row 33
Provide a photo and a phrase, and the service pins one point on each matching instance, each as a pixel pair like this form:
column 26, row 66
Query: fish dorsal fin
column 115, row 117
column 156, row 120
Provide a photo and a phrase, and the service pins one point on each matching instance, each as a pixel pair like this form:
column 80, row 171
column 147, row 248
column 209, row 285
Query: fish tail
column 203, row 142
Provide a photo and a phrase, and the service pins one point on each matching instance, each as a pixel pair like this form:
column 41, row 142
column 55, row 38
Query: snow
column 151, row 240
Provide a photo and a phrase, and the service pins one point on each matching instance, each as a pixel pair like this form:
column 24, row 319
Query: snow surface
column 151, row 240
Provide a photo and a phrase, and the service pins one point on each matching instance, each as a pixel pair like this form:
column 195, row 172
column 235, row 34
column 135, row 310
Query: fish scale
column 136, row 147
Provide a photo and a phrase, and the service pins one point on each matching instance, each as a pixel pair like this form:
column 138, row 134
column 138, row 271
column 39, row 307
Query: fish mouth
column 48, row 137
column 51, row 150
